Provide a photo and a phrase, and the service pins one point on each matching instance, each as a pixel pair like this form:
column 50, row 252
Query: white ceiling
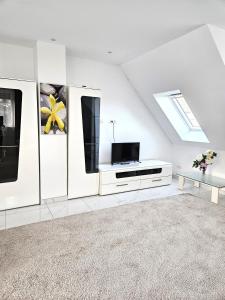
column 90, row 28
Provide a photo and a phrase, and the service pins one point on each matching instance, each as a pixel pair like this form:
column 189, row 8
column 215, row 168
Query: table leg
column 215, row 195
column 196, row 184
column 181, row 181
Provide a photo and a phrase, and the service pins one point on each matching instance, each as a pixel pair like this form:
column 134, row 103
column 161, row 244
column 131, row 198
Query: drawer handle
column 157, row 180
column 122, row 184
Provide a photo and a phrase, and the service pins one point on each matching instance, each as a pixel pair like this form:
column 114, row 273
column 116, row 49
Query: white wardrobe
column 19, row 158
column 83, row 142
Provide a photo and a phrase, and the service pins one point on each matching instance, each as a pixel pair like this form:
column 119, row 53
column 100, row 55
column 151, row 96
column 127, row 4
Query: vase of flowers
column 203, row 160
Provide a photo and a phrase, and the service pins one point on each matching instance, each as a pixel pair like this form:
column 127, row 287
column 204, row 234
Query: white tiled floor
column 2, row 220
column 67, row 208
column 27, row 215
column 56, row 208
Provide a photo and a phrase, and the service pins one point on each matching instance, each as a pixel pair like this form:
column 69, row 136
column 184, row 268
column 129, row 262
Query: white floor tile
column 24, row 216
column 54, row 200
column 67, row 208
column 48, row 201
column 100, row 202
column 2, row 220
column 25, row 209
column 43, row 202
column 161, row 192
column 62, row 198
column 131, row 197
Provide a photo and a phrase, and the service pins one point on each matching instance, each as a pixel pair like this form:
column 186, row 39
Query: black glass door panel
column 91, row 122
column 138, row 173
column 126, row 174
column 10, row 120
column 150, row 171
column 91, row 157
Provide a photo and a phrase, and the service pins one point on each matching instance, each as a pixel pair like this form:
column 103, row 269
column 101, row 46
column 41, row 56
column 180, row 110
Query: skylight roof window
column 185, row 110
column 179, row 113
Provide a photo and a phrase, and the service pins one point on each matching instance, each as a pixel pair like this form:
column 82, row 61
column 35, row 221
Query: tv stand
column 134, row 176
column 127, row 163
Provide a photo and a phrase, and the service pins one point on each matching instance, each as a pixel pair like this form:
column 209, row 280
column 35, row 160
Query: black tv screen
column 125, row 152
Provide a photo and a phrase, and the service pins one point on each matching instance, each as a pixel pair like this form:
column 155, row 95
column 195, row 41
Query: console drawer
column 119, row 187
column 165, row 171
column 110, row 177
column 153, row 182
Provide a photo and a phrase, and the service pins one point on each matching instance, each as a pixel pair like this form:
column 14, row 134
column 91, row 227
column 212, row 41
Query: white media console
column 122, row 178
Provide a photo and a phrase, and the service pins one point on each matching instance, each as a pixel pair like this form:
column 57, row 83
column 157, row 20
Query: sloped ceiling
column 219, row 38
column 89, row 29
column 194, row 64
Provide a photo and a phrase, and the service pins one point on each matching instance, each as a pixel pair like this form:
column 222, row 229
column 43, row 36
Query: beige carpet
column 172, row 248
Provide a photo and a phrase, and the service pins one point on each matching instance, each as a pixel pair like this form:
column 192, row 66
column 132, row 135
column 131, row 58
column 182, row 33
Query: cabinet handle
column 122, row 184
column 157, row 180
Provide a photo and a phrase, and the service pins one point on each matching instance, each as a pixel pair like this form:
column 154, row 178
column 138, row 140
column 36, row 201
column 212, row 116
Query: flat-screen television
column 125, row 152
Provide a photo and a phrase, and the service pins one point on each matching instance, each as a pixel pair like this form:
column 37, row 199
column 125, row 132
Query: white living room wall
column 16, row 61
column 134, row 121
column 120, row 103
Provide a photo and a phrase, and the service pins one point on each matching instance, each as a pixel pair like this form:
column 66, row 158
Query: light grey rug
column 172, row 248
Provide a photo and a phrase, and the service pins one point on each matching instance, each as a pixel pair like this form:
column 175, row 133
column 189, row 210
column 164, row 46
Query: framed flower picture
column 53, row 108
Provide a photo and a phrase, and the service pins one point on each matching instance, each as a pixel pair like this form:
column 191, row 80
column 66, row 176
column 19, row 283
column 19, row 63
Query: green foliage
column 196, row 164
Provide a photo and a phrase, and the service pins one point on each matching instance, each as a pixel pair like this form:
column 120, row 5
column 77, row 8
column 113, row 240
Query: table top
column 142, row 164
column 206, row 178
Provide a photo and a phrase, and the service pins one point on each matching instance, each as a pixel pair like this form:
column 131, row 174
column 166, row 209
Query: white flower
column 209, row 161
column 209, row 153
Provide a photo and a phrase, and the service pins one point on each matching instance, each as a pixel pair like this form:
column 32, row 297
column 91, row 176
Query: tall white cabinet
column 83, row 142
column 19, row 158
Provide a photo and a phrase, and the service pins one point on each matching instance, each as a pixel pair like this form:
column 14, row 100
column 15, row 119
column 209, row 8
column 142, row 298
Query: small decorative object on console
column 203, row 160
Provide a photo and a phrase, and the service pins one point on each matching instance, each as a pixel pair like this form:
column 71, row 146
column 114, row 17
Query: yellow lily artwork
column 53, row 117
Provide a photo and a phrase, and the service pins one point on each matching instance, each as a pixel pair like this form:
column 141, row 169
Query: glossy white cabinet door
column 25, row 190
column 80, row 183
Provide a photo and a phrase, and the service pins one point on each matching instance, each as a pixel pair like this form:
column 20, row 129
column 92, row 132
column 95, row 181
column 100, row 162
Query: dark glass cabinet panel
column 10, row 120
column 91, row 122
column 126, row 174
column 139, row 173
column 150, row 171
